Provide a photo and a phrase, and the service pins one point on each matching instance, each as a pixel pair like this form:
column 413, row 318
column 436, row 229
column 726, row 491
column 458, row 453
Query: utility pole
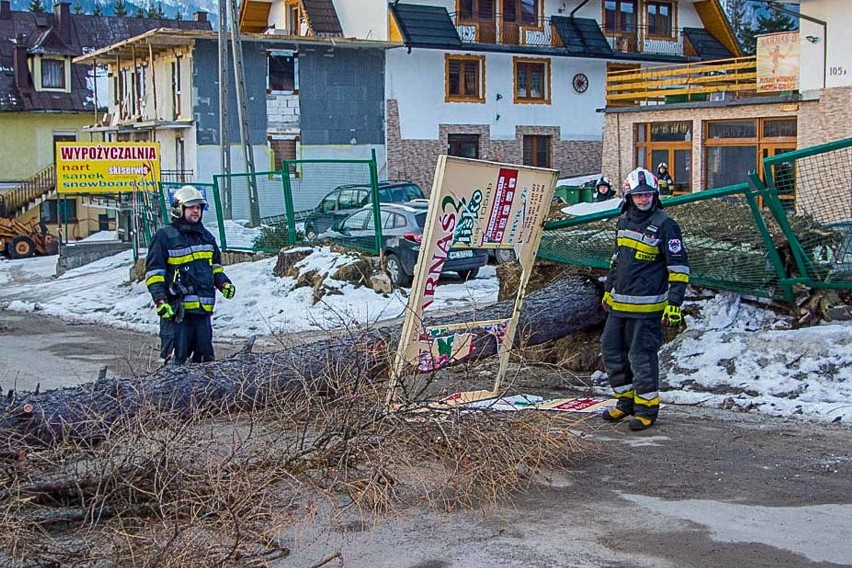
column 224, row 117
column 242, row 113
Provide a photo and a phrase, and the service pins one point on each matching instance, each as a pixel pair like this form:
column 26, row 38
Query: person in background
column 183, row 271
column 664, row 180
column 603, row 190
column 643, row 291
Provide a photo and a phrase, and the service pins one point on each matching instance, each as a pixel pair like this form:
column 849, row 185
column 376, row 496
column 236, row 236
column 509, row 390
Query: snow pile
column 264, row 304
column 736, row 355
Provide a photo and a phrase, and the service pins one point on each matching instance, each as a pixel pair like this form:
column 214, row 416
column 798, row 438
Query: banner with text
column 778, row 62
column 473, row 204
column 107, row 167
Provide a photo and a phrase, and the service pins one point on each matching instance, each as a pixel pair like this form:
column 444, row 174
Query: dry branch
column 87, row 412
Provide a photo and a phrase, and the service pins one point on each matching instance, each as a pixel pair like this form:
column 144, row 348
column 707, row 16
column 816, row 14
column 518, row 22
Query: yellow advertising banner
column 107, row 167
column 474, row 204
column 778, row 62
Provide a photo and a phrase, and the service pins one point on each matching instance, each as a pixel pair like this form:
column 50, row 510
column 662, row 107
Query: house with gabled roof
column 715, row 121
column 509, row 80
column 46, row 98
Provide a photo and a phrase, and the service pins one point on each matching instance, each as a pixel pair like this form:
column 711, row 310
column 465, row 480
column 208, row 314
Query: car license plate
column 460, row 254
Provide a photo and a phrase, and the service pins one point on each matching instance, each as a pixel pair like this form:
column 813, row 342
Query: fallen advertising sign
column 107, row 167
column 473, row 204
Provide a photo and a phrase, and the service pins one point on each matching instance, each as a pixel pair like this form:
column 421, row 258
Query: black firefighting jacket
column 649, row 265
column 184, row 264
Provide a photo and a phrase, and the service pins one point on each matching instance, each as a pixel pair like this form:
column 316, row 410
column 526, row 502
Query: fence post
column 288, row 202
column 223, row 243
column 770, row 198
column 377, row 207
column 774, row 257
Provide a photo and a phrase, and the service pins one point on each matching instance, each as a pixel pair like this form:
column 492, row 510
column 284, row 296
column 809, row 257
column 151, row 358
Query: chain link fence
column 757, row 238
column 267, row 211
column 810, row 191
column 332, row 198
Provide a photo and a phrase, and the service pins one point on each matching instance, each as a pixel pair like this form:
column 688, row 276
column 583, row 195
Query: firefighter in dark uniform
column 603, row 190
column 644, row 290
column 183, row 272
column 665, row 183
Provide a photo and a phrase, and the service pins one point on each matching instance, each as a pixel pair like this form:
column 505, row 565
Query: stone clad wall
column 415, row 159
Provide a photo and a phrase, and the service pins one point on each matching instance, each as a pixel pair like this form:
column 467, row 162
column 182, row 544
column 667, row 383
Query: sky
column 732, row 354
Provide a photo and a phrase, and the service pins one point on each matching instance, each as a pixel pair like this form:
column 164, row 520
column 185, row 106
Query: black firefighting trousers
column 629, row 347
column 191, row 339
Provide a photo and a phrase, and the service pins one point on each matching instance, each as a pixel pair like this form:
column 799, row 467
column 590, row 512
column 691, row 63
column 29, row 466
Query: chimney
column 5, row 10
column 201, row 16
column 19, row 61
column 62, row 15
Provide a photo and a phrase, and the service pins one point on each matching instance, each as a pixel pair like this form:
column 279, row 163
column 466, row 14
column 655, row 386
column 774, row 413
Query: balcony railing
column 497, row 30
column 722, row 79
column 542, row 33
column 642, row 39
column 19, row 199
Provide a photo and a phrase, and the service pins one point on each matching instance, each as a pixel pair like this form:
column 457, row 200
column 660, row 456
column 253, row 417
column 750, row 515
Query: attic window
column 52, row 74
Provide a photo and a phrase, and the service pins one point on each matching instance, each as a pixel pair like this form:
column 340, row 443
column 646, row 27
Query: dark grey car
column 347, row 199
column 402, row 232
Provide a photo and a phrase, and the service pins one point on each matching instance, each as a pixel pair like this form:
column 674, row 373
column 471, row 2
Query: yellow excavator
column 23, row 240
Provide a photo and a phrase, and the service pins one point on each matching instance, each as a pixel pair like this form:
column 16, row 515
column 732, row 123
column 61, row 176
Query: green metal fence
column 325, row 193
column 754, row 238
column 267, row 211
column 810, row 193
column 252, row 207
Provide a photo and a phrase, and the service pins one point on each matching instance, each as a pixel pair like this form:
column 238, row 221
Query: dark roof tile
column 323, row 17
column 581, row 36
column 707, row 46
column 425, row 26
column 87, row 33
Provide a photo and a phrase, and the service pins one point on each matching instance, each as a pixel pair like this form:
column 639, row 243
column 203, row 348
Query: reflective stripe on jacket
column 649, row 265
column 185, row 253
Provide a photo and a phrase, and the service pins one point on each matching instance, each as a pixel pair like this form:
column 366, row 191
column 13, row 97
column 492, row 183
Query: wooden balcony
column 497, row 30
column 724, row 79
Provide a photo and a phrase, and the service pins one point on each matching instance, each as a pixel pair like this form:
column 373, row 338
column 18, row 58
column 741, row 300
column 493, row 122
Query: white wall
column 837, row 70
column 416, row 81
column 363, row 19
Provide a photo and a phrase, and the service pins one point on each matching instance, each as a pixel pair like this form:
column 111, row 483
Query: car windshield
column 400, row 194
column 421, row 219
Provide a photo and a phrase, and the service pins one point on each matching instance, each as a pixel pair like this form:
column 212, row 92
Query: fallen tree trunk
column 86, row 412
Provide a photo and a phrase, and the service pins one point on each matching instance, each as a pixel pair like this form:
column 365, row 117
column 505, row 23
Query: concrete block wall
column 283, row 112
column 415, row 159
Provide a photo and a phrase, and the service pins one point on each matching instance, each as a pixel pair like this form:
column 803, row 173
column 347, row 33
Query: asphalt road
column 54, row 353
column 703, row 488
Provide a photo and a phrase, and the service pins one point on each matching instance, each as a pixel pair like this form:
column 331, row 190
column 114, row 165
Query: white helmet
column 662, row 165
column 640, row 180
column 186, row 196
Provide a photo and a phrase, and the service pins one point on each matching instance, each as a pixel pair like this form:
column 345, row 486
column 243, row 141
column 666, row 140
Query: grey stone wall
column 79, row 254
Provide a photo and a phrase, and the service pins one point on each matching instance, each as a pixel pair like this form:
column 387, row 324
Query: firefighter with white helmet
column 644, row 289
column 183, row 271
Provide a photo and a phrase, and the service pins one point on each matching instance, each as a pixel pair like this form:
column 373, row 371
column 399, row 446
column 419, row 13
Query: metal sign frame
column 474, row 204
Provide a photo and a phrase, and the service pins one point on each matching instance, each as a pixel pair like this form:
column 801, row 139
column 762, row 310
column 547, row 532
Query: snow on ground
column 579, row 180
column 264, row 304
column 736, row 354
column 732, row 354
column 588, row 208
